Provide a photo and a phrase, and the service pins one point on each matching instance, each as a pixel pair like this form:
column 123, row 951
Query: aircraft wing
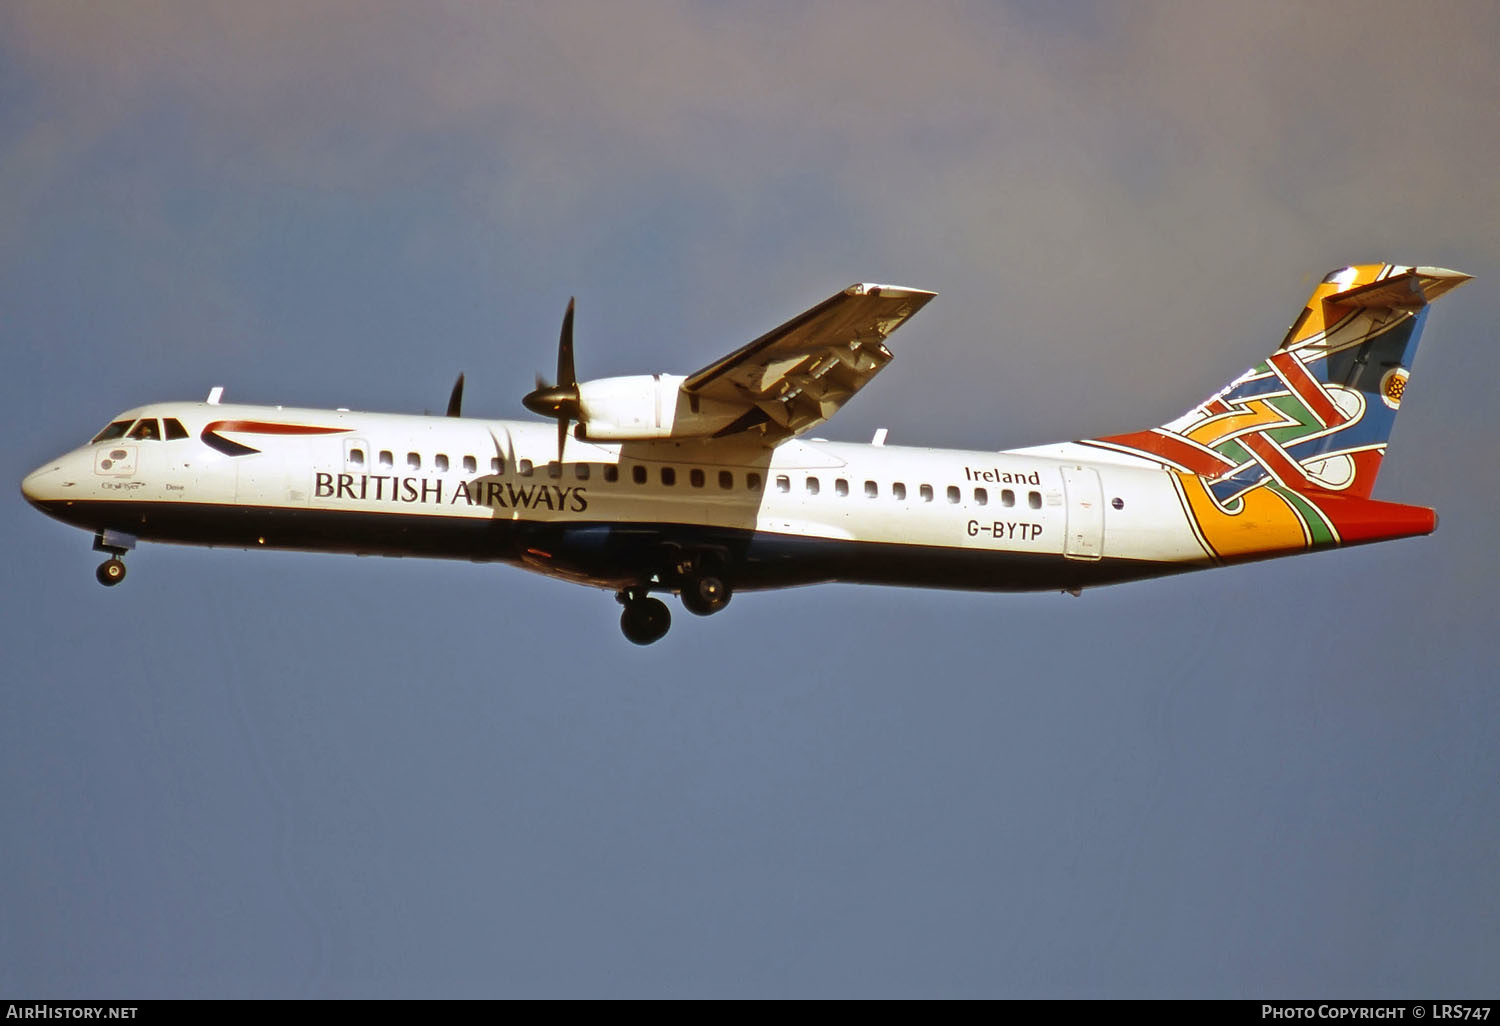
column 798, row 375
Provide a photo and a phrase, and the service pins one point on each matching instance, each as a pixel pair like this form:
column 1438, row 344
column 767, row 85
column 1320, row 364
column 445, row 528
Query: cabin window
column 841, row 486
column 668, row 475
column 146, row 431
column 113, row 431
column 554, row 468
column 413, row 461
column 356, row 457
column 441, row 463
column 812, row 486
column 611, row 473
column 175, row 430
column 953, row 493
column 526, row 468
column 638, row 474
column 695, row 477
column 726, row 480
column 783, row 483
column 581, row 471
column 926, row 492
column 1007, row 497
column 981, row 497
column 471, row 465
column 1034, row 500
column 872, row 490
column 386, row 459
column 497, row 465
column 898, row 491
column 752, row 481
column 1117, row 502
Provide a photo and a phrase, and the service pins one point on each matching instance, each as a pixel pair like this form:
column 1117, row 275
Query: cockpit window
column 147, row 430
column 174, row 429
column 115, row 430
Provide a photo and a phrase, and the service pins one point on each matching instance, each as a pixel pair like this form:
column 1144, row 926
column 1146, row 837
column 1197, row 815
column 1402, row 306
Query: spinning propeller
column 560, row 400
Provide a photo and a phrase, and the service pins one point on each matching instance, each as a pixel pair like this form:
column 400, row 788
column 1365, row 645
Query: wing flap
column 800, row 373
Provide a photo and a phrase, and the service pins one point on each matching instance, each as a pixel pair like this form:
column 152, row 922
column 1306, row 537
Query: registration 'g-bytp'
column 706, row 485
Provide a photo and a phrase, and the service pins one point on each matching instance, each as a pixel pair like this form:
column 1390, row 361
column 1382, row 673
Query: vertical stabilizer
column 1317, row 414
column 1304, row 432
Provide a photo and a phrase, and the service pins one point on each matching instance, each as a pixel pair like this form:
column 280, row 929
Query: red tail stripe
column 265, row 427
column 1307, row 388
column 1175, row 450
column 1275, row 459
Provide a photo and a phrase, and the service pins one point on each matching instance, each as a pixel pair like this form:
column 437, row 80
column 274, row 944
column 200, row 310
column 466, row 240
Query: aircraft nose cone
column 34, row 484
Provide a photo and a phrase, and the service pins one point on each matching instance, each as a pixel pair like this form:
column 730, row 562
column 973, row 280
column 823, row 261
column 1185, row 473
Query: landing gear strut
column 645, row 619
column 111, row 572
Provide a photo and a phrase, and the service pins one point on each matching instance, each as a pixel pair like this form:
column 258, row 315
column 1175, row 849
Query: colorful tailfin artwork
column 1286, row 455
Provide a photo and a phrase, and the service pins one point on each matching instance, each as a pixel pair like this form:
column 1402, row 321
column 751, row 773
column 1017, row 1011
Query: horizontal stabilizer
column 1416, row 286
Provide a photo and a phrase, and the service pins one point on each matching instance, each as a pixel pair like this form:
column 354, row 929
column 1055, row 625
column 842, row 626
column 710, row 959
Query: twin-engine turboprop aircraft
column 705, row 485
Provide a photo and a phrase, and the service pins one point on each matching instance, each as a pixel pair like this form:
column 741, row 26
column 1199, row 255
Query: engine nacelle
column 645, row 406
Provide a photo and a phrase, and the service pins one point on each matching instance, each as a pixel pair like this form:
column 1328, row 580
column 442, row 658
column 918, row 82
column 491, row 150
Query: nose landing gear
column 645, row 619
column 112, row 571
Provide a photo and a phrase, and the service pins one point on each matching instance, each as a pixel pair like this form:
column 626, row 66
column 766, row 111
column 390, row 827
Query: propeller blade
column 561, row 400
column 565, row 376
column 456, row 398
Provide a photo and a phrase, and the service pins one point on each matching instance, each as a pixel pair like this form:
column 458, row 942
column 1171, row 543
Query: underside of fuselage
column 605, row 554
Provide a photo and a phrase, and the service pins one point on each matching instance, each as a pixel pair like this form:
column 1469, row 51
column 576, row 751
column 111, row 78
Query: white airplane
column 705, row 485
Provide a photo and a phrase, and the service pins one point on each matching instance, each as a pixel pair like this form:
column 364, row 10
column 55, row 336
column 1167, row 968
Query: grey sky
column 281, row 775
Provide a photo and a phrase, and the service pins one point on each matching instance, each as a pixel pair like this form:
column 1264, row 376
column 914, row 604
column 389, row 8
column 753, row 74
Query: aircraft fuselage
column 616, row 514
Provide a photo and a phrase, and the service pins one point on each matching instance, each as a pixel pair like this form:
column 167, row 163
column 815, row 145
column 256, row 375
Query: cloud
column 1077, row 179
column 1138, row 103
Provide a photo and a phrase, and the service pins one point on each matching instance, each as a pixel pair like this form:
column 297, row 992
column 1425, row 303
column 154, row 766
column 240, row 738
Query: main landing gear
column 645, row 619
column 702, row 582
column 706, row 594
column 697, row 579
column 111, row 572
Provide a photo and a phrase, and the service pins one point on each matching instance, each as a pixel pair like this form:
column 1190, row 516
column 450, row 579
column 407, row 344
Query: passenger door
column 1085, row 513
